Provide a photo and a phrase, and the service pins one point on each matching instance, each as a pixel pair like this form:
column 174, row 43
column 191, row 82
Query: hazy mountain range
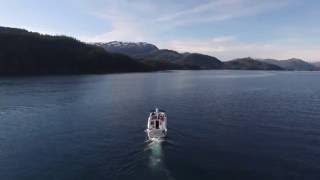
column 146, row 51
column 292, row 64
column 30, row 53
column 316, row 64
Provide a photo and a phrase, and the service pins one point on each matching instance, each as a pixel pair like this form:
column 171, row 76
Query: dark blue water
column 222, row 125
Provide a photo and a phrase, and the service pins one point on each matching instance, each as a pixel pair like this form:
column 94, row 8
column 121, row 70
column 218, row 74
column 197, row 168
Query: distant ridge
column 201, row 61
column 317, row 65
column 292, row 64
column 161, row 55
column 149, row 53
column 250, row 64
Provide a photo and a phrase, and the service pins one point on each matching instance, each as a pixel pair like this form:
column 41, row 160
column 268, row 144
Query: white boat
column 157, row 124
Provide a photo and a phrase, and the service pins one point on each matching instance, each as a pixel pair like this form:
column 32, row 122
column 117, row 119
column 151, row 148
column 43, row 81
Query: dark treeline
column 29, row 53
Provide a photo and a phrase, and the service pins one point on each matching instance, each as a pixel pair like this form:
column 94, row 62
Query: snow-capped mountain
column 129, row 48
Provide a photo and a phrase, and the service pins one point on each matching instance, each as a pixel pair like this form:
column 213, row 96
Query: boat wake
column 156, row 158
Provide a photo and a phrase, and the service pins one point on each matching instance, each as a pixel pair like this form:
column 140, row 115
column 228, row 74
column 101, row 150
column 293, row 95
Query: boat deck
column 156, row 133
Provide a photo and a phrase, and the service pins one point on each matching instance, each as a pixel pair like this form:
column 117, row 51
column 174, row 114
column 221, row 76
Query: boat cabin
column 156, row 121
column 157, row 124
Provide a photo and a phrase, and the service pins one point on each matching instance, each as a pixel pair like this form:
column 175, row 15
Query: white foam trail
column 156, row 158
column 156, row 154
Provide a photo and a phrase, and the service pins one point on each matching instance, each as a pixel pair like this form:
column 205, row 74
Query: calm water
column 222, row 125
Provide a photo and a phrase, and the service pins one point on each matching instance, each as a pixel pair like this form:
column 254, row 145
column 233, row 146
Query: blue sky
column 223, row 28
